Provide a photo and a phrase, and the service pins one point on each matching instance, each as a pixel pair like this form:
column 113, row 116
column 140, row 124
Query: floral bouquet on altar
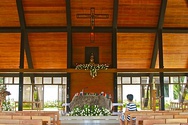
column 88, row 110
column 92, row 67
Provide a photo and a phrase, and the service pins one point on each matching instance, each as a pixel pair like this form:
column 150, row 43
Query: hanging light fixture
column 92, row 37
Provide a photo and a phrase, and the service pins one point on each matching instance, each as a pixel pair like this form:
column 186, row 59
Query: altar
column 81, row 100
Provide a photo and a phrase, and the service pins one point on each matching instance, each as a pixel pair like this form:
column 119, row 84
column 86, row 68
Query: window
column 183, row 79
column 47, row 80
column 1, row 80
column 166, row 80
column 27, row 80
column 118, row 80
column 135, row 80
column 8, row 80
column 156, row 80
column 57, row 80
column 38, row 80
column 16, row 80
column 166, row 90
column 64, row 80
column 174, row 79
column 126, row 80
column 144, row 80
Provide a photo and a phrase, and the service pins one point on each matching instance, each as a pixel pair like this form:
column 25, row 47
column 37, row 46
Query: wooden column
column 154, row 91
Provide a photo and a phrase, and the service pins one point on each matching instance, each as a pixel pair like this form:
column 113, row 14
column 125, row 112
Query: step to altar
column 89, row 119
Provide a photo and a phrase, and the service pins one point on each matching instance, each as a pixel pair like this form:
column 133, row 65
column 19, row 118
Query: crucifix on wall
column 93, row 16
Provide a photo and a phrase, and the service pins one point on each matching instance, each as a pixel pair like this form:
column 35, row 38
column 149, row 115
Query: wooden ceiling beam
column 59, row 74
column 160, row 48
column 175, row 30
column 136, row 30
column 10, row 30
column 88, row 29
column 159, row 26
column 22, row 45
column 111, row 70
column 162, row 14
column 69, row 34
column 24, row 33
column 97, row 29
column 114, row 34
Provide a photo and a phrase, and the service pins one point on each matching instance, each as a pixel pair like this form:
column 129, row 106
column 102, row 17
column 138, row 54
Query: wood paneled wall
column 47, row 48
column 82, row 40
column 10, row 50
column 134, row 50
column 102, row 82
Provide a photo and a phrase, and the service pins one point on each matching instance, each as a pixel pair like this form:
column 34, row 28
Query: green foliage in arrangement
column 87, row 110
column 92, row 67
column 7, row 106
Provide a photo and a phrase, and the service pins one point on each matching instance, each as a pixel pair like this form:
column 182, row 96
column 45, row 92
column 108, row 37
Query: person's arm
column 127, row 108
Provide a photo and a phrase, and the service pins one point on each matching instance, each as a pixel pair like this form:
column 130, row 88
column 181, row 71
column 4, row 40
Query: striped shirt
column 131, row 107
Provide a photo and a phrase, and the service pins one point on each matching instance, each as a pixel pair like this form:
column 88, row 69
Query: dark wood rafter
column 28, row 53
column 135, row 74
column 29, row 57
column 47, row 29
column 175, row 30
column 88, row 29
column 161, row 65
column 69, row 34
column 114, row 34
column 156, row 47
column 152, row 65
column 97, row 29
column 114, row 47
column 23, row 36
column 10, row 29
column 136, row 30
column 160, row 44
column 69, row 46
column 111, row 70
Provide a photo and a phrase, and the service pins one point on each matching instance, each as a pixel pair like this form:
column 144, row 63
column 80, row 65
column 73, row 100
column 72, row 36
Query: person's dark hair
column 130, row 97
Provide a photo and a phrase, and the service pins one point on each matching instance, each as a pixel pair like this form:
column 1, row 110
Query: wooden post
column 154, row 99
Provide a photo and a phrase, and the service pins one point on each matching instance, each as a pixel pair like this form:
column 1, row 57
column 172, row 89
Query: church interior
column 54, row 51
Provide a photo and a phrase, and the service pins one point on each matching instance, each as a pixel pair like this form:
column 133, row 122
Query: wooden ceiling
column 54, row 35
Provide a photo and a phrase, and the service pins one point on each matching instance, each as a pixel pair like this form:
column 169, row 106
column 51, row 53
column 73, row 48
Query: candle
column 154, row 84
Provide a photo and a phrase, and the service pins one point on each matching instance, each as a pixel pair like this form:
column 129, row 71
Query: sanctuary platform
column 80, row 101
column 89, row 120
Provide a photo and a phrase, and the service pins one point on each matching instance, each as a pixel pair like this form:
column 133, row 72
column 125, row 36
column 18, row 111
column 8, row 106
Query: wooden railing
column 179, row 106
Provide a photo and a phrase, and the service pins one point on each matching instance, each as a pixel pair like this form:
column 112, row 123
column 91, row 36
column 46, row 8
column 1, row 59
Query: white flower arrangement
column 5, row 104
column 87, row 110
column 92, row 67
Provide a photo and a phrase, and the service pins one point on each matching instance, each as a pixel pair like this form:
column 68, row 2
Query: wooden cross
column 92, row 16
